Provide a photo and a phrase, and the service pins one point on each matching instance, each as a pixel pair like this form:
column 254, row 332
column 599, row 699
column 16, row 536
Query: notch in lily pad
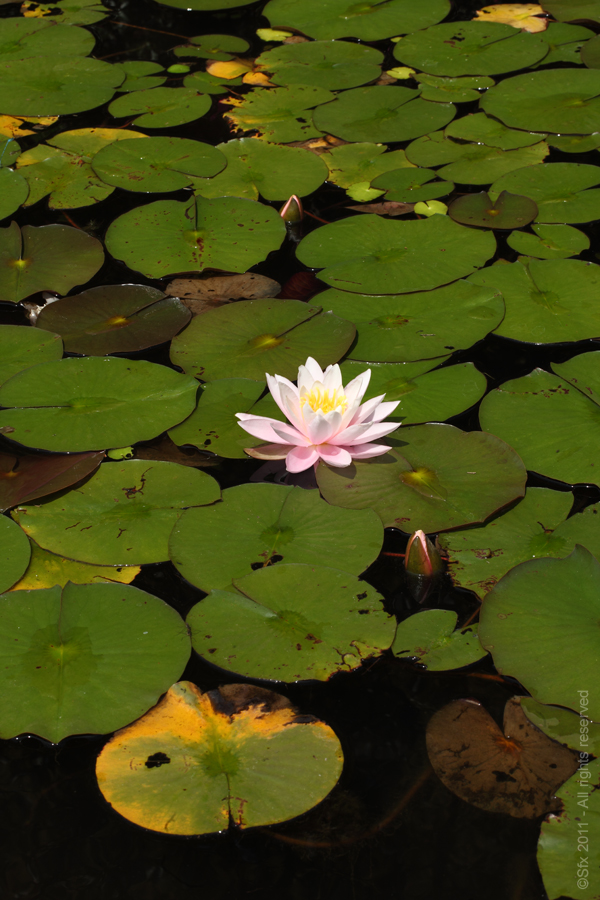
column 508, row 211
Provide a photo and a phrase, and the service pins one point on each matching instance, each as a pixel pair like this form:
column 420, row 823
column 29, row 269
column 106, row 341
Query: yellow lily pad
column 47, row 570
column 520, row 15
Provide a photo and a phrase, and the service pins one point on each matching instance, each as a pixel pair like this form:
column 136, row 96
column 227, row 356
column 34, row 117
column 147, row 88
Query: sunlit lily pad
column 63, row 85
column 86, row 658
column 46, row 570
column 118, row 318
column 161, row 107
column 49, row 258
column 470, row 48
column 280, row 115
column 369, row 21
column 482, row 165
column 558, row 189
column 25, row 478
column 14, row 553
column 256, row 167
column 167, row 236
column 507, row 211
column 381, row 113
column 546, row 653
column 93, row 403
column 402, row 327
column 452, row 90
column 20, row 38
column 245, row 340
column 374, row 255
column 122, row 515
column 141, row 75
column 549, row 242
column 483, row 129
column 436, row 477
column 273, row 524
column 22, row 347
column 430, row 639
column 335, row 65
column 213, row 46
column 198, row 762
column 412, row 185
column 293, row 622
column 361, row 162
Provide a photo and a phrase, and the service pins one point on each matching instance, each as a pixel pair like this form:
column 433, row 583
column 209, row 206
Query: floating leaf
column 203, row 5
column 21, row 348
column 575, row 143
column 293, row 622
column 117, row 318
column 547, row 652
column 429, row 638
column 470, row 48
column 141, row 75
column 121, row 516
column 213, row 46
column 562, row 725
column 26, row 478
column 161, row 107
column 21, row 38
column 573, row 10
column 63, row 85
column 519, row 15
column 205, row 83
column 482, row 165
column 84, row 659
column 50, row 258
column 412, row 185
column 452, row 90
column 372, row 255
column 549, row 242
column 566, row 43
column 590, row 53
column 13, row 192
column 281, row 115
column 197, row 762
column 438, row 478
column 515, row 772
column 334, row 65
column 272, row 524
column 83, row 404
column 9, row 149
column 68, row 12
column 245, row 340
column 482, row 129
column 558, row 189
column 388, row 208
column 222, row 288
column 14, row 553
column 167, row 236
column 47, row 570
column 361, row 162
column 507, row 211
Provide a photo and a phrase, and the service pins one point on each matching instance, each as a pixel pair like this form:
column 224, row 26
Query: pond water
column 494, row 272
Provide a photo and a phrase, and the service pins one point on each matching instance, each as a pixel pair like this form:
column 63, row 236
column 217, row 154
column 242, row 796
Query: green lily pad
column 550, row 424
column 563, row 101
column 85, row 659
column 13, row 192
column 213, row 46
column 381, row 113
column 573, row 10
column 293, row 622
column 558, row 189
column 205, row 83
column 566, row 43
column 117, row 318
column 63, row 85
column 547, row 653
column 361, row 162
column 141, row 75
column 186, row 765
column 429, row 638
column 97, row 402
column 412, row 185
column 156, row 163
column 49, row 258
column 334, row 65
column 273, row 524
column 47, row 570
column 26, row 478
column 71, row 12
column 507, row 211
column 434, row 150
column 546, row 301
column 482, row 129
column 9, row 151
column 374, row 255
column 436, row 478
column 280, row 115
column 590, row 53
column 452, row 90
column 20, row 38
column 369, row 21
column 21, row 348
column 161, row 107
column 549, row 242
column 575, row 143
column 257, row 168
column 403, row 327
column 121, row 516
column 245, row 340
column 482, row 165
column 14, row 553
column 167, row 236
column 562, row 725
column 203, row 5
column 470, row 48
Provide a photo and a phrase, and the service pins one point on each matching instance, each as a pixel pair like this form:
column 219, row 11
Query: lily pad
column 14, row 553
column 197, row 762
column 361, row 162
column 546, row 301
column 205, row 83
column 470, row 48
column 49, row 258
column 452, row 90
column 21, row 348
column 424, row 325
column 566, row 43
column 412, row 185
column 293, row 622
column 121, row 516
column 46, row 570
column 167, row 237
column 245, row 340
column 117, row 318
column 369, row 21
column 213, row 46
column 20, row 38
column 68, row 12
column 563, row 101
column 374, row 255
column 381, row 113
column 273, row 524
column 85, row 659
column 482, row 165
column 562, row 725
column 429, row 637
column 573, row 10
column 334, row 65
column 24, row 478
column 549, row 242
column 156, row 163
column 13, row 192
column 256, row 167
column 280, row 115
column 161, row 107
column 546, row 652
column 203, row 5
column 96, row 402
column 63, row 85
column 507, row 211
column 590, row 54
column 575, row 143
column 436, row 477
column 482, row 129
column 141, row 75
column 558, row 189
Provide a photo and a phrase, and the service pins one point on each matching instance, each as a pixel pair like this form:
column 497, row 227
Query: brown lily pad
column 385, row 208
column 163, row 448
column 202, row 294
column 26, row 478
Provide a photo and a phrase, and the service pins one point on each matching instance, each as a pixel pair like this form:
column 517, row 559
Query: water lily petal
column 308, row 374
column 384, row 410
column 290, row 405
column 301, row 458
column 366, row 411
column 290, row 435
column 332, row 379
column 261, row 427
column 374, row 432
column 334, row 456
column 275, row 384
column 320, row 428
column 356, row 389
column 366, row 451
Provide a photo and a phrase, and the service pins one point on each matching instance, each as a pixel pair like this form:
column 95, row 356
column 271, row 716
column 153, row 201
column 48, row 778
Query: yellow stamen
column 325, row 401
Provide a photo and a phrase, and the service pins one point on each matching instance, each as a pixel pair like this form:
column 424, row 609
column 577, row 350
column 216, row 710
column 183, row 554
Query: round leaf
column 47, row 570
column 26, row 38
column 25, row 478
column 21, row 348
column 14, row 553
column 13, row 192
column 63, row 85
column 451, row 90
column 549, row 242
column 508, row 211
column 214, row 46
column 280, row 115
column 161, row 107
column 484, row 129
column 429, row 638
column 361, row 162
column 482, row 165
column 140, row 75
column 334, row 65
column 412, row 185
column 558, row 189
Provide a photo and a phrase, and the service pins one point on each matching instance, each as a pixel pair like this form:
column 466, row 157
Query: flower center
column 324, row 401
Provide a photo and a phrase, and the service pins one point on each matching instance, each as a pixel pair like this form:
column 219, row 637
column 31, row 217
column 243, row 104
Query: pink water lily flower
column 326, row 420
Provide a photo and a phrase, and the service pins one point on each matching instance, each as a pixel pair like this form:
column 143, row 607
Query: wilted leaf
column 519, row 15
column 47, row 570
column 26, row 478
column 385, row 208
column 222, row 288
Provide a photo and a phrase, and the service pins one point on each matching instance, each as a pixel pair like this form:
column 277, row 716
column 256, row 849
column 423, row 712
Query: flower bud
column 421, row 556
column 292, row 211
